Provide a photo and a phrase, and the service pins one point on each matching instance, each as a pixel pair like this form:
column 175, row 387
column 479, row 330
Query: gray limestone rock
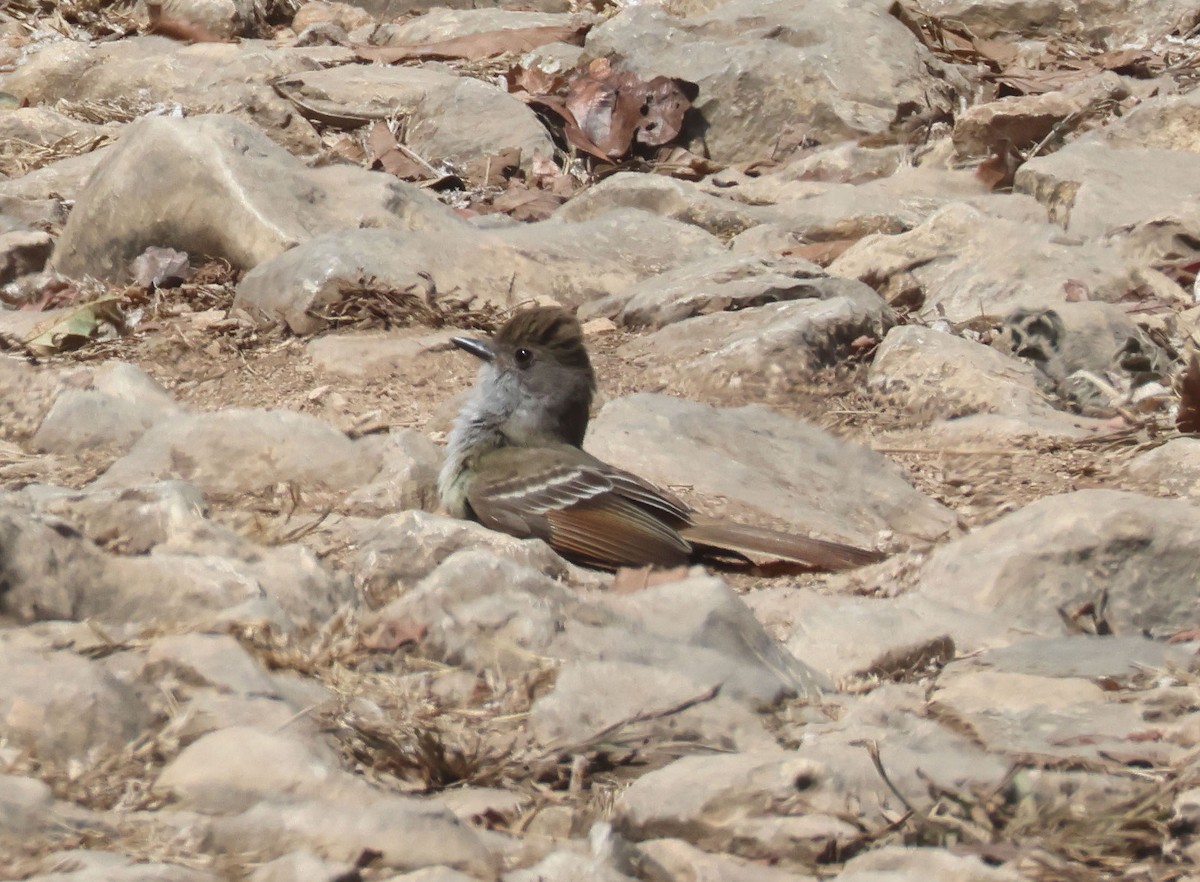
column 214, row 186
column 768, row 463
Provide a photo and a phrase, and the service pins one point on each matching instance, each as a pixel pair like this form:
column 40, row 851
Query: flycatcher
column 515, row 463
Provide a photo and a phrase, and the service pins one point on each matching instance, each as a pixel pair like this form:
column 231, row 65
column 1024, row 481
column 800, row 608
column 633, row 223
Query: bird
column 515, row 463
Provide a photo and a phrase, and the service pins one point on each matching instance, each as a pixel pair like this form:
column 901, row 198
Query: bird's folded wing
column 583, row 509
column 742, row 540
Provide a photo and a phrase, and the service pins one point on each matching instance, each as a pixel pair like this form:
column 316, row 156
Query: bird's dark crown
column 550, row 329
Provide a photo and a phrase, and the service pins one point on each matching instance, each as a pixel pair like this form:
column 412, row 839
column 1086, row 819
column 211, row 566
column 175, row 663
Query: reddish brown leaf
column 473, row 47
column 533, row 80
column 612, row 108
column 496, row 169
column 523, row 204
column 1076, row 291
column 1188, row 419
column 666, row 103
column 999, row 169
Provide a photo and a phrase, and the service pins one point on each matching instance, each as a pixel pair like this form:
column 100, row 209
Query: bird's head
column 536, row 379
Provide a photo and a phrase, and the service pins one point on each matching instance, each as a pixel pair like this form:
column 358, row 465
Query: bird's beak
column 479, row 348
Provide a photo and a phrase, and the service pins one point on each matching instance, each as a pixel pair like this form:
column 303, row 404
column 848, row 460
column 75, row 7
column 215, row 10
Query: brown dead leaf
column 613, row 108
column 1076, row 291
column 1188, row 419
column 494, row 170
column 523, row 204
column 385, row 152
column 998, row 170
column 679, row 162
column 533, row 80
column 474, row 47
column 178, row 29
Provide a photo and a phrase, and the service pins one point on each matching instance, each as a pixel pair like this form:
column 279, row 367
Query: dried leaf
column 523, row 204
column 999, row 169
column 474, row 47
column 1188, row 419
column 496, row 169
column 77, row 328
column 533, row 80
column 612, row 108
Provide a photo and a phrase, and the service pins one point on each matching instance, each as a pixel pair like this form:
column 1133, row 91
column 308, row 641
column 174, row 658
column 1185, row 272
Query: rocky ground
column 916, row 277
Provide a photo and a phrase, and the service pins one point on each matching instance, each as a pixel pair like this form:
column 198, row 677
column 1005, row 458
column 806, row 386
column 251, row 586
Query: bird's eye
column 524, row 357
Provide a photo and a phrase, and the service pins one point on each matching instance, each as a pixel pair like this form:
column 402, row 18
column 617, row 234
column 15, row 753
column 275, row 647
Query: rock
column 721, row 804
column 886, row 205
column 64, row 709
column 53, row 574
column 23, row 252
column 1125, row 661
column 885, row 638
column 215, row 661
column 243, row 198
column 1067, row 717
column 702, row 612
column 1089, row 188
column 132, row 520
column 895, row 863
column 45, row 127
column 29, row 810
column 962, row 263
column 621, row 700
column 722, row 283
column 1023, row 121
column 398, row 551
column 568, row 866
column 1094, row 22
column 570, row 263
column 230, row 770
column 96, row 866
column 669, row 859
column 200, row 78
column 300, row 866
column 445, row 21
column 1173, row 468
column 408, row 833
column 776, row 466
column 480, row 610
column 239, row 450
column 1161, row 122
column 484, row 612
column 667, row 197
column 449, row 118
column 778, row 342
column 935, row 374
column 406, row 479
column 782, row 62
column 108, row 408
column 224, row 18
column 39, row 195
column 1062, row 551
